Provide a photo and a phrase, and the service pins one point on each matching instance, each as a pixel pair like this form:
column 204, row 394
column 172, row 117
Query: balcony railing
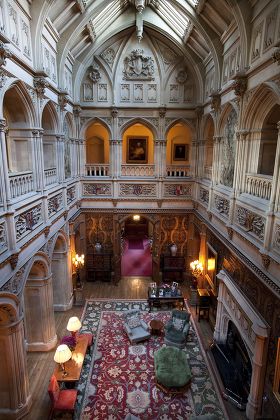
column 138, row 170
column 50, row 176
column 21, row 183
column 97, row 170
column 176, row 171
column 258, row 185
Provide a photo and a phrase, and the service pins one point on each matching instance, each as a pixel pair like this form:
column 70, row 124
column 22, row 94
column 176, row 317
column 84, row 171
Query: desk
column 158, row 300
column 74, row 366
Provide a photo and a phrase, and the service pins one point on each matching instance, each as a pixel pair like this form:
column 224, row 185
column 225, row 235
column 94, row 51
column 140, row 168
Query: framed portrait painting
column 137, row 150
column 211, row 266
column 180, row 152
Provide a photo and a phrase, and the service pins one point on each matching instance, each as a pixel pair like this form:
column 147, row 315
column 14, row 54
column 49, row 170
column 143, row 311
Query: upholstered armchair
column 177, row 328
column 136, row 329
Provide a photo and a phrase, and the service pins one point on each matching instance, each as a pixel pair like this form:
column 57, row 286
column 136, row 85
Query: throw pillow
column 178, row 324
column 133, row 322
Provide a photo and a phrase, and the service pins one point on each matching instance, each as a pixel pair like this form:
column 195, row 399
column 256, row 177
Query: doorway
column 136, row 257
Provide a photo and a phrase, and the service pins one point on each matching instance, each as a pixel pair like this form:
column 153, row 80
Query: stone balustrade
column 207, row 172
column 258, row 185
column 99, row 170
column 177, row 171
column 21, row 183
column 50, row 176
column 138, row 170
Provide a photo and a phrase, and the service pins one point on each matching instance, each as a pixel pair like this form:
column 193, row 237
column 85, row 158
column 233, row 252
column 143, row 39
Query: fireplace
column 241, row 340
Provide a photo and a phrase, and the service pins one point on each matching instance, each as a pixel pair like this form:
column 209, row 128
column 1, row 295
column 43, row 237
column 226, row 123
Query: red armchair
column 62, row 400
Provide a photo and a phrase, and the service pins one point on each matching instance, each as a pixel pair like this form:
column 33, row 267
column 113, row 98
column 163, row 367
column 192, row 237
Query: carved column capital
column 215, row 101
column 63, row 100
column 13, row 260
column 4, row 54
column 265, row 260
column 114, row 112
column 162, row 112
column 77, row 110
column 276, row 56
column 239, row 84
column 40, row 85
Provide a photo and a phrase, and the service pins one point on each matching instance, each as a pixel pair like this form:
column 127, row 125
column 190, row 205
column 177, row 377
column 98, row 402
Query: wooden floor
column 41, row 364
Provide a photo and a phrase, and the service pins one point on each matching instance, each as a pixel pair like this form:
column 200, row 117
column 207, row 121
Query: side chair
column 62, row 400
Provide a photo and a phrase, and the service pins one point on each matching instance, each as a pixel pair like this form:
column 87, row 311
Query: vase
column 173, row 250
column 98, row 247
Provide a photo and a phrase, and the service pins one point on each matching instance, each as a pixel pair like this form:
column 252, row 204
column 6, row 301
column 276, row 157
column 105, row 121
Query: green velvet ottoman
column 172, row 370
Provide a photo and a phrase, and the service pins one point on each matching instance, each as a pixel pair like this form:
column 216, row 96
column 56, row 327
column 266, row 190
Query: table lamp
column 62, row 355
column 74, row 324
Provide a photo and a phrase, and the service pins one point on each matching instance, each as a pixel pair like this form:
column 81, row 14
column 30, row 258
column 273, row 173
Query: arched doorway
column 137, row 234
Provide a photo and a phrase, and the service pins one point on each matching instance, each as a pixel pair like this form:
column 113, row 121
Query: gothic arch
column 183, row 121
column 22, row 102
column 138, row 120
column 53, row 119
column 91, row 121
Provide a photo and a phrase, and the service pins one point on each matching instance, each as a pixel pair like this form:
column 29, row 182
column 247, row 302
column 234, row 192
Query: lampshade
column 62, row 354
column 74, row 324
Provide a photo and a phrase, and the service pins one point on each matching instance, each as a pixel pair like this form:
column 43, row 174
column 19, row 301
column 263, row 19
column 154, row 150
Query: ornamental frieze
column 15, row 284
column 27, row 221
column 251, row 222
column 276, row 241
column 221, row 205
column 3, row 238
column 204, row 195
column 97, row 189
column 55, row 204
column 177, row 190
column 71, row 194
column 148, row 190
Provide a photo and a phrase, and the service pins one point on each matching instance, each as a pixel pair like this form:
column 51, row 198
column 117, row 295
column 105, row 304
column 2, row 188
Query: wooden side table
column 156, row 327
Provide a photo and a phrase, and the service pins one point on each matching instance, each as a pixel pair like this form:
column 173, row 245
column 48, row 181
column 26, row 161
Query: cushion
column 171, row 367
column 133, row 322
column 178, row 324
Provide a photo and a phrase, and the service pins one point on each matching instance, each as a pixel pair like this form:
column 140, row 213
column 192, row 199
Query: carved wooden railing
column 21, row 183
column 138, row 170
column 50, row 176
column 258, row 185
column 99, row 169
column 181, row 171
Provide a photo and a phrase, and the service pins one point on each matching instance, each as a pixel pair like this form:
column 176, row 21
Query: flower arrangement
column 70, row 341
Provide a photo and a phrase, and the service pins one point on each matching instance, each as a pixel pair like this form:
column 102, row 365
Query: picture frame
column 137, row 150
column 211, row 266
column 180, row 152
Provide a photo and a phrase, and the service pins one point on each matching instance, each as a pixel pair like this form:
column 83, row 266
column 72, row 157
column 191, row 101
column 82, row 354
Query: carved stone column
column 4, row 174
column 38, row 164
column 160, row 158
column 62, row 280
column 60, row 157
column 216, row 160
column 39, row 314
column 15, row 401
column 113, row 158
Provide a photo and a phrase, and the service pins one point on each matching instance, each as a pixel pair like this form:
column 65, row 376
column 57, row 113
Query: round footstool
column 172, row 370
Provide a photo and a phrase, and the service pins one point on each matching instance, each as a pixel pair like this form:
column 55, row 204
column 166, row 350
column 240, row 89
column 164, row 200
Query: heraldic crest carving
column 138, row 67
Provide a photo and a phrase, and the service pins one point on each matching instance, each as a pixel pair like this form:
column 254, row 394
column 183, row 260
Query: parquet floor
column 41, row 364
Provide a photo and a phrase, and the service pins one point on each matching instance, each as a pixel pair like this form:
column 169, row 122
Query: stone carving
column 240, row 85
column 94, row 73
column 47, row 231
column 230, row 232
column 276, row 56
column 256, row 44
column 174, row 93
column 152, row 93
column 221, row 205
column 122, row 120
column 173, row 190
column 265, row 260
column 28, row 220
column 15, row 284
column 138, row 92
column 109, row 56
column 97, row 189
column 4, row 54
column 71, row 194
column 114, row 112
column 251, row 222
column 77, row 110
column 270, row 24
column 13, row 260
column 162, row 112
column 125, row 92
column 215, row 101
column 138, row 190
column 13, row 24
column 54, row 204
column 204, row 195
column 276, row 241
column 228, row 150
column 102, row 92
column 3, row 238
column 182, row 76
column 40, row 84
column 138, row 67
column 25, row 38
column 63, row 100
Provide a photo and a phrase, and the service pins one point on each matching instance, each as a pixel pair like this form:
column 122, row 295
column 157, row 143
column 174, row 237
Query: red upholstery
column 63, row 400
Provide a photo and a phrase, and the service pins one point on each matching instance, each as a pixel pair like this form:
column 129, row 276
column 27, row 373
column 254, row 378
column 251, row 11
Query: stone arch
column 38, row 305
column 91, row 121
column 97, row 138
column 51, row 121
column 50, row 124
column 179, row 135
column 61, row 273
column 15, row 393
column 138, row 120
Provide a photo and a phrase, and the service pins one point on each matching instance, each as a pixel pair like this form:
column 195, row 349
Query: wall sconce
column 62, row 355
column 197, row 268
column 74, row 324
column 79, row 262
column 136, row 217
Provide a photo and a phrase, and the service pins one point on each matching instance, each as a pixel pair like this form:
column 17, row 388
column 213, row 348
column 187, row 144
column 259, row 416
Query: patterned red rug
column 122, row 379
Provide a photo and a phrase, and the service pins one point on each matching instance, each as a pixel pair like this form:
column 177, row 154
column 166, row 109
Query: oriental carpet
column 118, row 378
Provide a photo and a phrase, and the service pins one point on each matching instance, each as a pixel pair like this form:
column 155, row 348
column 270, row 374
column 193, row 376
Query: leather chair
column 62, row 400
column 177, row 328
column 136, row 329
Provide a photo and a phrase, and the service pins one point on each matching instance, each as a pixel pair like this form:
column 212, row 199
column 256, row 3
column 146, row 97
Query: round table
column 156, row 327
